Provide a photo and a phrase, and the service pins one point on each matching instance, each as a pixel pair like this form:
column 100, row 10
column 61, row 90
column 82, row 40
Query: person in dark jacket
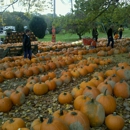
column 110, row 37
column 95, row 34
column 27, row 45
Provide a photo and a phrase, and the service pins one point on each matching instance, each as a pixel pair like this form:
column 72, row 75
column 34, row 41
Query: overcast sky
column 62, row 7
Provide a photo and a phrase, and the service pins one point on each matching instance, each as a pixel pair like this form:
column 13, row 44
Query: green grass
column 73, row 37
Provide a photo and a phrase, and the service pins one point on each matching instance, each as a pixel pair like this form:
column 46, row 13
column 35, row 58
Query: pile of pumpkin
column 43, row 83
column 92, row 101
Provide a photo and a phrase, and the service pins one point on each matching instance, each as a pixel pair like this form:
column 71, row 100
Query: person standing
column 95, row 34
column 110, row 37
column 27, row 45
column 120, row 30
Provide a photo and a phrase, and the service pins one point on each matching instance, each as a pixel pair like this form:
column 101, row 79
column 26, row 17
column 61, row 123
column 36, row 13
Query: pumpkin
column 36, row 124
column 114, row 122
column 40, row 88
column 8, row 92
column 51, row 84
column 76, row 91
column 51, row 75
column 80, row 100
column 28, row 72
column 23, row 89
column 92, row 92
column 35, row 70
column 110, row 81
column 33, row 79
column 52, row 65
column 123, row 73
column 97, row 80
column 107, row 101
column 58, row 81
column 89, row 69
column 65, row 98
column 60, row 114
column 9, row 75
column 43, row 78
column 110, row 72
column 66, row 78
column 18, row 98
column 30, row 85
column 18, row 74
column 121, row 89
column 105, row 86
column 75, row 73
column 13, row 124
column 82, row 71
column 77, row 120
column 53, row 124
column 86, row 83
column 95, row 112
column 5, row 104
column 1, row 78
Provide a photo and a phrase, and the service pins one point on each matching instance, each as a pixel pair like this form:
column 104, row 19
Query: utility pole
column 54, row 8
column 71, row 5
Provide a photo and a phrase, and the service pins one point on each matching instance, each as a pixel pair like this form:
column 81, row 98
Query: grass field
column 73, row 37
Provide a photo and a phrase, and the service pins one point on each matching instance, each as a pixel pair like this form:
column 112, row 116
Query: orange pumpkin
column 65, row 98
column 121, row 89
column 60, row 114
column 5, row 104
column 76, row 91
column 18, row 98
column 24, row 89
column 40, row 88
column 76, row 119
column 51, row 84
column 107, row 101
column 92, row 92
column 53, row 124
column 114, row 122
column 36, row 124
column 80, row 100
column 13, row 124
column 105, row 86
column 95, row 112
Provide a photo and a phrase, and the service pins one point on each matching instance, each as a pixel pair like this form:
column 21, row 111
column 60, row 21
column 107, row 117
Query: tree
column 38, row 26
column 19, row 27
column 86, row 14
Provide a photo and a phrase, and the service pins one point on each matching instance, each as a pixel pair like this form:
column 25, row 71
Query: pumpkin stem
column 114, row 75
column 121, row 81
column 65, row 93
column 11, row 120
column 61, row 112
column 73, row 113
column 41, row 119
column 17, row 91
column 50, row 120
column 122, row 67
column 106, row 82
column 78, row 87
column 114, row 113
column 89, row 87
column 92, row 100
column 105, row 92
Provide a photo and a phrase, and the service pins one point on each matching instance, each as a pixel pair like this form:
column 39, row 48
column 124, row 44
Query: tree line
column 85, row 15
